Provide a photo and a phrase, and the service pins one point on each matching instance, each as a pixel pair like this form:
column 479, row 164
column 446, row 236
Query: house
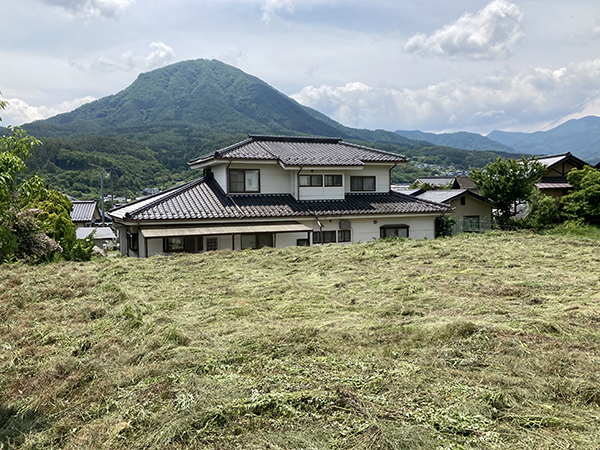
column 85, row 213
column 434, row 182
column 473, row 213
column 277, row 191
column 554, row 182
column 464, row 182
column 101, row 234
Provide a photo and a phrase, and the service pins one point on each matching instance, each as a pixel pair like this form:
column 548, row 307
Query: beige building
column 473, row 213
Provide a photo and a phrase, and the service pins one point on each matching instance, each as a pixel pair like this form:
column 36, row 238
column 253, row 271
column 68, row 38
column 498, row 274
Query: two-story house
column 277, row 191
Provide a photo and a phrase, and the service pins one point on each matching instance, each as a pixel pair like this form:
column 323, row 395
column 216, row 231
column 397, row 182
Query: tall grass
column 481, row 341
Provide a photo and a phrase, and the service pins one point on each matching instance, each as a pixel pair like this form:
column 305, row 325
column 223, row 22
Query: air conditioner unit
column 345, row 225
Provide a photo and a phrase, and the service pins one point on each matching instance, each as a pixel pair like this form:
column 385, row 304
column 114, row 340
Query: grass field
column 479, row 341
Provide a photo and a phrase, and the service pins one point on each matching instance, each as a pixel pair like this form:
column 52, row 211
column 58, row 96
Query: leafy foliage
column 505, row 182
column 584, row 201
column 444, row 226
column 35, row 223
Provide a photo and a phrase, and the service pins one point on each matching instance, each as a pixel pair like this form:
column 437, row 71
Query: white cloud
column 19, row 112
column 489, row 34
column 270, row 7
column 160, row 55
column 477, row 104
column 91, row 9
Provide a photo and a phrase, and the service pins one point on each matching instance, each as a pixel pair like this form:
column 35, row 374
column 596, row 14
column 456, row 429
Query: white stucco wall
column 381, row 174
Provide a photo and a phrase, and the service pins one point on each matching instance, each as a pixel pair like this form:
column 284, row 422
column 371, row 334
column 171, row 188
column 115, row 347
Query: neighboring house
column 85, row 213
column 473, row 213
column 434, row 182
column 101, row 234
column 554, row 182
column 277, row 191
column 464, row 182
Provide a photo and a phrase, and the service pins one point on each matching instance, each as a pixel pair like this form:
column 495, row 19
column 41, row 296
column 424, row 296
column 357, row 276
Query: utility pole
column 112, row 191
column 102, row 194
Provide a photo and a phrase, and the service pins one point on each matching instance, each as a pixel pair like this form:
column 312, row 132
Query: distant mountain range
column 461, row 139
column 581, row 137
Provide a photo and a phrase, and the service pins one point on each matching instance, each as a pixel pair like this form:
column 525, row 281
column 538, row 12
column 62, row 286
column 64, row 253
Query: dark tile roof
column 83, row 211
column 463, row 183
column 301, row 151
column 205, row 200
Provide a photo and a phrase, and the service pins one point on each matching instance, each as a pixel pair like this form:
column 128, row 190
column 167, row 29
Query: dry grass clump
column 482, row 341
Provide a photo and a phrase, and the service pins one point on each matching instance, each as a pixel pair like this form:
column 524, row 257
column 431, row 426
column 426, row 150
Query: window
column 333, row 180
column 188, row 244
column 173, row 244
column 244, row 180
column 463, row 200
column 311, row 180
column 257, row 240
column 212, row 244
column 471, row 224
column 362, row 183
column 344, row 235
column 328, row 236
column 388, row 231
column 302, row 242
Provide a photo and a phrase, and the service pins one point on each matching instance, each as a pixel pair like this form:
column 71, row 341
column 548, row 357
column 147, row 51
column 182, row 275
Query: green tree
column 506, row 182
column 35, row 223
column 584, row 201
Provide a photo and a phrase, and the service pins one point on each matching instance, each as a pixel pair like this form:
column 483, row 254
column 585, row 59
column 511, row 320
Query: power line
column 552, row 123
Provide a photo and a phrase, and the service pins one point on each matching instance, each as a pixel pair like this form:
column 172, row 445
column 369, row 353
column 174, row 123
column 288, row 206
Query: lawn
column 477, row 341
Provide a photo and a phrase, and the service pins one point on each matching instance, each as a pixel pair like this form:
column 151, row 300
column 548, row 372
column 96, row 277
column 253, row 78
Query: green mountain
column 581, row 137
column 150, row 130
column 461, row 139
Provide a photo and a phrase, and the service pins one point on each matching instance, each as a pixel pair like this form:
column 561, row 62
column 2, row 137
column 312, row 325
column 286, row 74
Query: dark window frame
column 170, row 249
column 334, row 184
column 326, row 233
column 384, row 228
column 244, row 191
column 362, row 183
column 471, row 220
column 257, row 240
column 345, row 235
column 313, row 178
column 208, row 246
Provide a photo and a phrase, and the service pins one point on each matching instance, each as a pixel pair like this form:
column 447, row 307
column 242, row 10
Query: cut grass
column 481, row 341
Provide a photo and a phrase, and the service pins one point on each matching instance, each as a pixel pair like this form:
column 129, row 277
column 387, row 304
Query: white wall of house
column 220, row 174
column 381, row 174
column 322, row 192
column 155, row 247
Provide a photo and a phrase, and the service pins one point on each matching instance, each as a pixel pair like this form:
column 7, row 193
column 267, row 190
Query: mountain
column 193, row 99
column 149, row 131
column 461, row 139
column 581, row 137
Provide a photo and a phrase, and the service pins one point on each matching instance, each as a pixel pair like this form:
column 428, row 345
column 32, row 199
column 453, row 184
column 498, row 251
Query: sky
column 431, row 65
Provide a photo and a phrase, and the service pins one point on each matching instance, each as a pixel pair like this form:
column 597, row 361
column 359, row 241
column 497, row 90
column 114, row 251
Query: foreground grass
column 486, row 341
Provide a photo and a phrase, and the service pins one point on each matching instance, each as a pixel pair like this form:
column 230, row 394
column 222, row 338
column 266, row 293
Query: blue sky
column 431, row 65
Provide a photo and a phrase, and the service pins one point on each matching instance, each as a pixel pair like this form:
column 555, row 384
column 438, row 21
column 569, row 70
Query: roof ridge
column 374, row 150
column 279, row 138
column 407, row 196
